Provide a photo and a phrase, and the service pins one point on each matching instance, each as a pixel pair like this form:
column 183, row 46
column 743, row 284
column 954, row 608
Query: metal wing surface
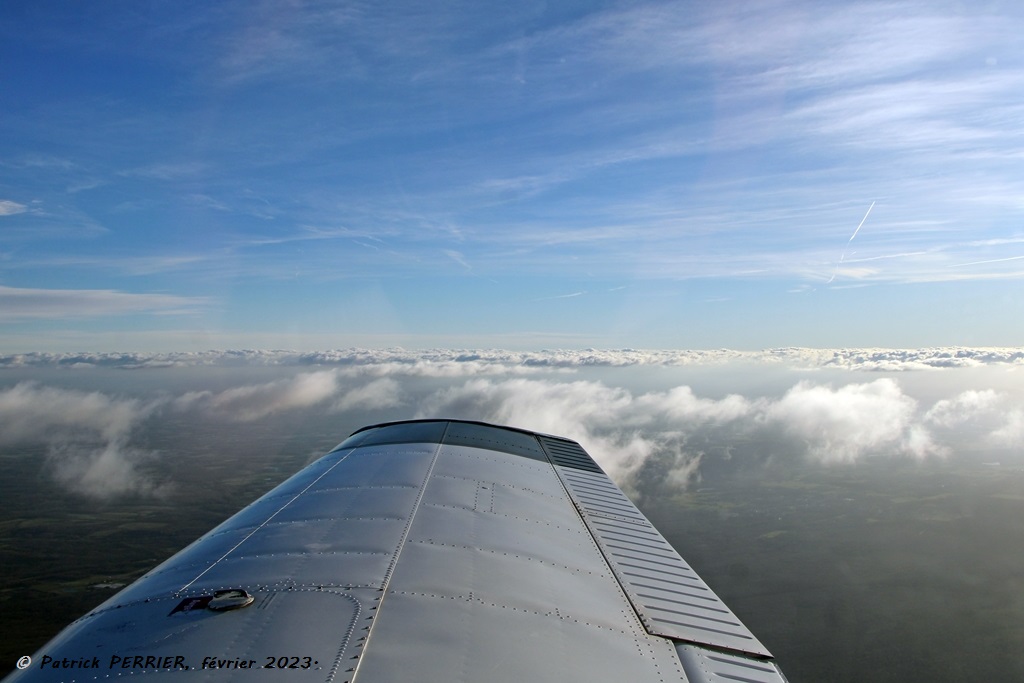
column 432, row 550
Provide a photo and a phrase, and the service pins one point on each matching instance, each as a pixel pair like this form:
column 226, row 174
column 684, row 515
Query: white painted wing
column 433, row 550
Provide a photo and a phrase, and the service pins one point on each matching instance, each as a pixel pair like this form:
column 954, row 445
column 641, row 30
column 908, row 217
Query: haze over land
column 877, row 491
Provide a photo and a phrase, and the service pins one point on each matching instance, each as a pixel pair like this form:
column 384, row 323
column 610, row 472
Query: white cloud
column 643, row 439
column 647, row 437
column 29, row 411
column 104, row 472
column 1011, row 433
column 306, row 390
column 417, row 366
column 86, row 435
column 853, row 421
column 253, row 402
column 965, row 407
column 380, row 393
column 589, row 412
column 984, row 417
column 682, row 405
column 898, row 360
column 9, row 208
column 441, row 363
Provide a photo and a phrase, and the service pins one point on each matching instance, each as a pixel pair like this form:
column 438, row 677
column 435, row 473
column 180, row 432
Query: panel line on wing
column 403, row 541
column 265, row 522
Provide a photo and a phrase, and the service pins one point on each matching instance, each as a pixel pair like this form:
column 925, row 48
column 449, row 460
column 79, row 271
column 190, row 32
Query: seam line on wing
column 403, row 541
column 265, row 522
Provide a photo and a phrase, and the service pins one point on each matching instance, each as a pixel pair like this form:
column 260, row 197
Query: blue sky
column 660, row 175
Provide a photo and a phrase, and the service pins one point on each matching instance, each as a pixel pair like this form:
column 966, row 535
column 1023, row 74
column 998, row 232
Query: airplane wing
column 429, row 550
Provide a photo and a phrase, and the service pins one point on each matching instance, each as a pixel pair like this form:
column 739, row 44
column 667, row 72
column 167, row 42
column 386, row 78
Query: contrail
column 841, row 258
column 561, row 296
column 861, row 222
column 995, row 260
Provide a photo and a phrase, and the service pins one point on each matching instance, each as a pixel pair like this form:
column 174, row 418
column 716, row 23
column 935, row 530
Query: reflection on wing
column 430, row 550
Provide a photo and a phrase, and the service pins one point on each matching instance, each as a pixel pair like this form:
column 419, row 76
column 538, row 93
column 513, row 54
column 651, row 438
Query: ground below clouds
column 864, row 525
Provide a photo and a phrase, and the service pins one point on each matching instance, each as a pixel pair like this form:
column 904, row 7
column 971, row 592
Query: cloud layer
column 646, row 439
column 851, row 422
column 323, row 389
column 633, row 434
column 87, row 436
column 474, row 362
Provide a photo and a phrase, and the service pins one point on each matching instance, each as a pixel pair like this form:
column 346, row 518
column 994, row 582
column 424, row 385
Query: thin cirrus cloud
column 396, row 146
column 18, row 303
column 10, row 208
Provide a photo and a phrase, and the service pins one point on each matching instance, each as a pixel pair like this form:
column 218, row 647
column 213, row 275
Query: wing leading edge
column 434, row 550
